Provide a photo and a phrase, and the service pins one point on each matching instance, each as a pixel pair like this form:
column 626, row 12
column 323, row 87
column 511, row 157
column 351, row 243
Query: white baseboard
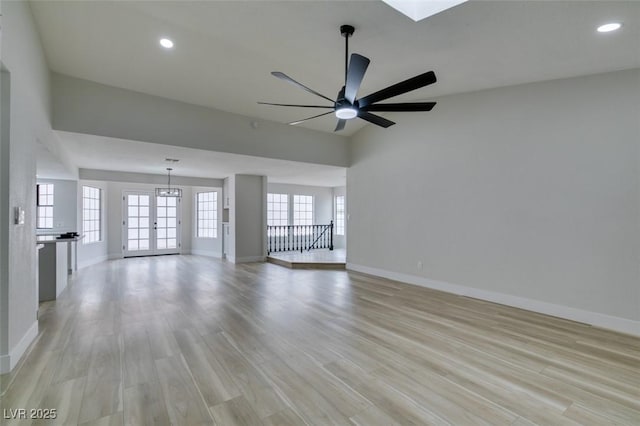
column 9, row 361
column 622, row 325
column 92, row 261
column 246, row 259
column 209, row 253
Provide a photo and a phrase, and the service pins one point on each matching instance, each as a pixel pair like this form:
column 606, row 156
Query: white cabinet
column 225, row 239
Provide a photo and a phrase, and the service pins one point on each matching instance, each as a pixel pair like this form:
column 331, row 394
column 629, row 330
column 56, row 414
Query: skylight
column 420, row 9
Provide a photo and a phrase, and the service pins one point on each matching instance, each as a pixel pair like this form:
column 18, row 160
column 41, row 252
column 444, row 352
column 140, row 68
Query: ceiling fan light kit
column 346, row 106
column 346, row 112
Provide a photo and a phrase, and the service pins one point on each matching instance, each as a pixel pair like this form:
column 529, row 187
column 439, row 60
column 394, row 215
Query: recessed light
column 612, row 26
column 166, row 43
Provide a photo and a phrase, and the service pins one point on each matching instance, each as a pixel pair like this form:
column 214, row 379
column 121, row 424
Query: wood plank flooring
column 193, row 340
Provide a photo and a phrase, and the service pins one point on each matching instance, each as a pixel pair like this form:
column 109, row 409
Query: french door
column 151, row 224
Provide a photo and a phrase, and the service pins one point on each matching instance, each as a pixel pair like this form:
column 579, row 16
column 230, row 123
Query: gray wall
column 530, row 191
column 248, row 217
column 86, row 107
column 5, row 87
column 65, row 213
column 30, row 121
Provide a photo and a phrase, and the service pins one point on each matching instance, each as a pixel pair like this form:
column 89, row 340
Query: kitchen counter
column 52, row 270
column 72, row 248
column 57, row 259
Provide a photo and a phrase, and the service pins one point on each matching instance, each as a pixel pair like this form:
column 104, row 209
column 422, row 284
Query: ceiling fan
column 346, row 106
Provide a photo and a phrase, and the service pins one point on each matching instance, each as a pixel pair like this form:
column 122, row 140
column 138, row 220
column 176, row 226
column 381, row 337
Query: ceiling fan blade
column 408, row 107
column 357, row 67
column 399, row 88
column 375, row 119
column 293, row 123
column 295, row 105
column 340, row 125
column 283, row 76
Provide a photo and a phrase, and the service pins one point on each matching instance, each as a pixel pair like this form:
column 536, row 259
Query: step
column 293, row 264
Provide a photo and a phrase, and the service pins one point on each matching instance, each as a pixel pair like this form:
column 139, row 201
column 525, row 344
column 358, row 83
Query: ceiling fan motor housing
column 346, row 30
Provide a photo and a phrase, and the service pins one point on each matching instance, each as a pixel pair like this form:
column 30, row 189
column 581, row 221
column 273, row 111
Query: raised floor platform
column 314, row 259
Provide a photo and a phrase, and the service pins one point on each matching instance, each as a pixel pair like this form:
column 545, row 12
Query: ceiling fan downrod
column 346, row 31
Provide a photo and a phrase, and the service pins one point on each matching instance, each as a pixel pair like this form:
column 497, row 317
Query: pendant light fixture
column 168, row 191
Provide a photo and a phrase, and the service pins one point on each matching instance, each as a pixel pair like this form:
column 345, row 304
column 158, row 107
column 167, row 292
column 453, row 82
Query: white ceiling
column 121, row 155
column 225, row 50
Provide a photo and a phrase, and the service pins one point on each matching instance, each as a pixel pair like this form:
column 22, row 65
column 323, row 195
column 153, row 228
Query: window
column 303, row 211
column 277, row 212
column 91, row 214
column 340, row 215
column 207, row 214
column 277, row 209
column 44, row 212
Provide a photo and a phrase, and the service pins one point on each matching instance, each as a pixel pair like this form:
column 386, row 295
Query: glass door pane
column 167, row 221
column 137, row 232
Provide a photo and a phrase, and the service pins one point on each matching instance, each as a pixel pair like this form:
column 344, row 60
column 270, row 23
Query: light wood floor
column 192, row 340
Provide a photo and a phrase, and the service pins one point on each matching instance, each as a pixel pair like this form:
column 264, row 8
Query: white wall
column 528, row 195
column 95, row 252
column 65, row 213
column 86, row 107
column 158, row 180
column 322, row 199
column 29, row 122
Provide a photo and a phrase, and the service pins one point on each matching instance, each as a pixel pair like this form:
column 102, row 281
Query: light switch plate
column 18, row 215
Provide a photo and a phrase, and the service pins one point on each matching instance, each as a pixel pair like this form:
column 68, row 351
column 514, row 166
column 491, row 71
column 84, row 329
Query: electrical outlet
column 420, row 264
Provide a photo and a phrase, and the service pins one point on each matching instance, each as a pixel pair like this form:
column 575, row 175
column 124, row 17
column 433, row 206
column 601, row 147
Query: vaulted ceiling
column 225, row 50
